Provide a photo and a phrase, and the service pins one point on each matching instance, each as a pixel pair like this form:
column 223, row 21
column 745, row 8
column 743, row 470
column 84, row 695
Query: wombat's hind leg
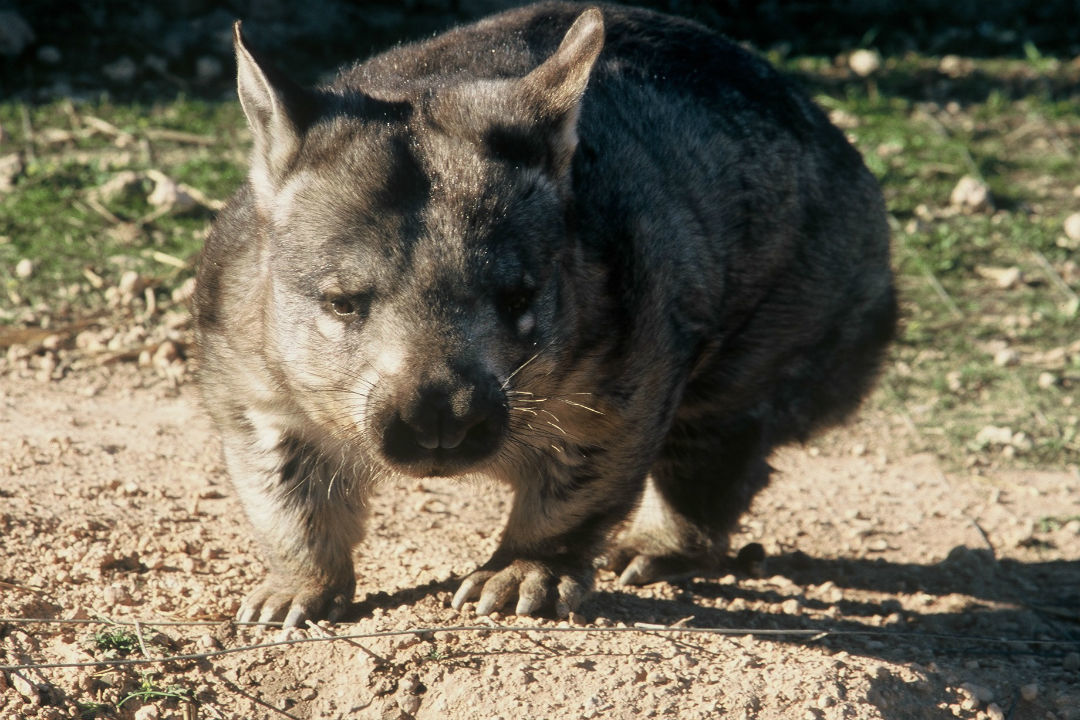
column 696, row 492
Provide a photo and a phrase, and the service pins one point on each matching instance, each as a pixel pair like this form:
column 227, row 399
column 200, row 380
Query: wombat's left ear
column 553, row 91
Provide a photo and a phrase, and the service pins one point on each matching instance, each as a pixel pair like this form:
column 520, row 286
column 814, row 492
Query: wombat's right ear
column 278, row 111
column 552, row 92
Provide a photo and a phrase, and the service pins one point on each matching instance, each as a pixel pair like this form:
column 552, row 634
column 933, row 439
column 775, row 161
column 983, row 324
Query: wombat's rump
column 603, row 255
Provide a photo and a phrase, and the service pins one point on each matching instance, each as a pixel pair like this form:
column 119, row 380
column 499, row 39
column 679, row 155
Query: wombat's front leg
column 307, row 517
column 545, row 554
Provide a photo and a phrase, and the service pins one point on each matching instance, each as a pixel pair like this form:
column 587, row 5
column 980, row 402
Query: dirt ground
column 892, row 589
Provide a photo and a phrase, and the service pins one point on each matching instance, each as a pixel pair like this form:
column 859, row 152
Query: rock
column 121, row 71
column 49, row 54
column 24, row 268
column 1047, row 380
column 25, row 688
column 954, row 66
column 971, row 195
column 169, row 194
column 131, row 284
column 1021, row 442
column 1029, row 692
column 15, row 33
column 121, row 186
column 207, row 69
column 1072, row 227
column 979, row 692
column 1004, row 278
column 994, row 712
column 11, row 167
column 994, row 435
column 409, row 704
column 843, row 119
column 1006, row 358
column 865, row 62
column 147, row 712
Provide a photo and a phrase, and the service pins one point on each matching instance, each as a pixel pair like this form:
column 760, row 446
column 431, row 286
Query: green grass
column 943, row 377
column 55, row 218
column 1011, row 123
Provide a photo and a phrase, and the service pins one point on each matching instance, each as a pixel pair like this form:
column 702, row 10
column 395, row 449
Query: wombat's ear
column 277, row 109
column 552, row 92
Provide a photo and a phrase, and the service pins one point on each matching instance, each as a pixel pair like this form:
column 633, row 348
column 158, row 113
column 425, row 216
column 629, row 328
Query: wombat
column 600, row 254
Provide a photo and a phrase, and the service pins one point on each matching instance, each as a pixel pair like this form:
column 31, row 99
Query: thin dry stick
column 142, row 643
column 941, row 292
column 28, row 132
column 23, row 588
column 811, row 634
column 323, row 632
column 1056, row 279
column 178, row 136
column 253, row 698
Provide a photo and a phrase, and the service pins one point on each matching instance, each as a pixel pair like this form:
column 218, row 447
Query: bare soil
column 892, row 589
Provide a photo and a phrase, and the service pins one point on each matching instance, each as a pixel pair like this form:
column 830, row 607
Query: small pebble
column 121, row 71
column 971, row 195
column 49, row 54
column 1072, row 225
column 24, row 268
column 1007, row 358
column 1030, row 691
column 147, row 712
column 865, row 62
column 409, row 704
column 26, row 688
column 980, row 692
column 207, row 68
column 993, row 435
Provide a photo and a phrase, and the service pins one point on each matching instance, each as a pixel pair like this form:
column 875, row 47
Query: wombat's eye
column 349, row 306
column 343, row 307
column 515, row 303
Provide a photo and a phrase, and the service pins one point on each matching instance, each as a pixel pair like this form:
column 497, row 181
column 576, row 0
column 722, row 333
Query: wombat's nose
column 462, row 423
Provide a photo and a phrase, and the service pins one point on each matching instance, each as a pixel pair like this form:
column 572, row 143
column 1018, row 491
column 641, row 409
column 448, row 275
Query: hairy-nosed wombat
column 602, row 255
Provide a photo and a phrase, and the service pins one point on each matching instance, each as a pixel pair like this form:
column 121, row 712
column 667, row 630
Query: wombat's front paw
column 641, row 568
column 538, row 586
column 294, row 604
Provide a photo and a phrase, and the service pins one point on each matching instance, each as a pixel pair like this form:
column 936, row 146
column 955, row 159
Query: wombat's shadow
column 1013, row 608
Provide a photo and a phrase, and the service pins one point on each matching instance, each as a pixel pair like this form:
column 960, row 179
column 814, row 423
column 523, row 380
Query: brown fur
column 566, row 248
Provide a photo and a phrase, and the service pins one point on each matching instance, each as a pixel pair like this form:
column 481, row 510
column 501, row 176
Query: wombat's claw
column 294, row 609
column 645, row 569
column 535, row 586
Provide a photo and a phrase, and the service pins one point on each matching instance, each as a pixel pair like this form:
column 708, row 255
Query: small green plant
column 1050, row 523
column 90, row 710
column 116, row 640
column 436, row 653
column 148, row 689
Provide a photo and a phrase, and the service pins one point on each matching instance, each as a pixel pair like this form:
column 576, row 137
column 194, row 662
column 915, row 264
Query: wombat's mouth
column 446, row 451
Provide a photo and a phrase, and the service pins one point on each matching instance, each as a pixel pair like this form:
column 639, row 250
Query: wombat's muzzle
column 443, row 428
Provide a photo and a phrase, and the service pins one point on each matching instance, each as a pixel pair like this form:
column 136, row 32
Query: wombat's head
column 415, row 248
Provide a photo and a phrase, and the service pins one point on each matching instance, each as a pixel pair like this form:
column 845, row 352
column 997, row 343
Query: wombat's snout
column 443, row 427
